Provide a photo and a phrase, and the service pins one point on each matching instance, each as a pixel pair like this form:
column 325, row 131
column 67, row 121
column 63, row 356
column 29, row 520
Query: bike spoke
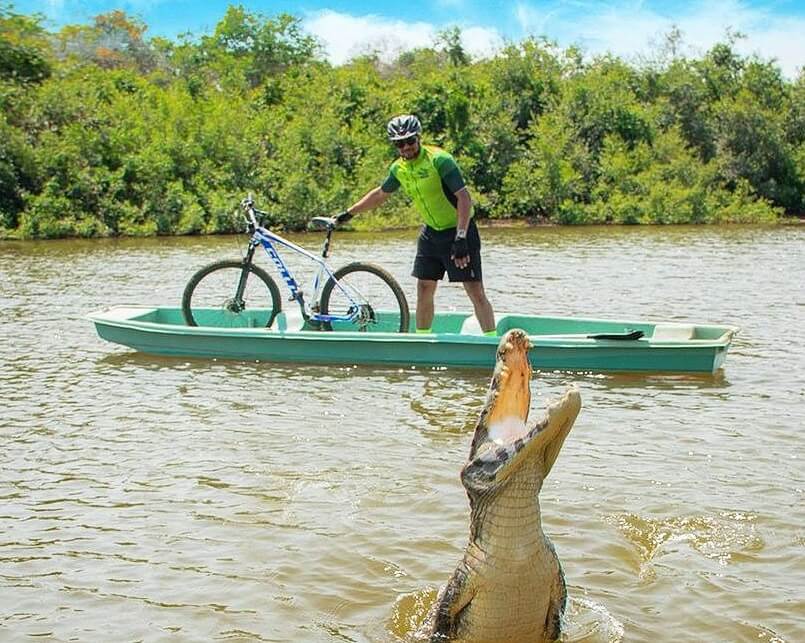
column 214, row 301
column 369, row 298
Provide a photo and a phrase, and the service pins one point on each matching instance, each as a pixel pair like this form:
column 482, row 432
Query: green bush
column 147, row 137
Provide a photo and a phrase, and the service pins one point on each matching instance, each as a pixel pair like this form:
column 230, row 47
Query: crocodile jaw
column 506, row 430
column 509, row 394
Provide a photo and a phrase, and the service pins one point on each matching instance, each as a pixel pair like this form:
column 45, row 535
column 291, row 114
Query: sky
column 773, row 29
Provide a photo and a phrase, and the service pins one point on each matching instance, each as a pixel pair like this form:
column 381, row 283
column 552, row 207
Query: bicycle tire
column 326, row 302
column 216, row 308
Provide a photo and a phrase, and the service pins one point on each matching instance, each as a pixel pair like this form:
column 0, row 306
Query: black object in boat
column 627, row 335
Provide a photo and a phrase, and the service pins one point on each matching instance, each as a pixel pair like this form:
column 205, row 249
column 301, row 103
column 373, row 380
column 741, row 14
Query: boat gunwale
column 557, row 340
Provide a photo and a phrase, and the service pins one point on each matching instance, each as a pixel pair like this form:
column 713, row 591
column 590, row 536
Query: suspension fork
column 244, row 274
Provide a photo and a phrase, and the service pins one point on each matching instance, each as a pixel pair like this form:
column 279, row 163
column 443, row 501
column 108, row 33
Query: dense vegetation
column 104, row 132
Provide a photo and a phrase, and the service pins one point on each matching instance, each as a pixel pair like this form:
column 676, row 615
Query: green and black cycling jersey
column 431, row 180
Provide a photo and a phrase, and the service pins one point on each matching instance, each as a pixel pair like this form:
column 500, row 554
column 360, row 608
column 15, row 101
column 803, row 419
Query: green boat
column 563, row 343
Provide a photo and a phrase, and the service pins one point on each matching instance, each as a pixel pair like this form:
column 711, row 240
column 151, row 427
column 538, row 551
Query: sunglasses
column 406, row 141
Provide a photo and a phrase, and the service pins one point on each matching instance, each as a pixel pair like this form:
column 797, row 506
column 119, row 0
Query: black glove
column 343, row 217
column 459, row 249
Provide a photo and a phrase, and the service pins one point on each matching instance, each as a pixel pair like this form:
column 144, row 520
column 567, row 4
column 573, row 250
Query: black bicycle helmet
column 402, row 127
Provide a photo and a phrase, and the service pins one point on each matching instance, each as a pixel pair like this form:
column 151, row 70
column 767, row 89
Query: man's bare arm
column 371, row 200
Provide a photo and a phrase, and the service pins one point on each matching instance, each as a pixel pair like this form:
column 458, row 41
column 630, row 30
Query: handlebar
column 254, row 217
column 254, row 220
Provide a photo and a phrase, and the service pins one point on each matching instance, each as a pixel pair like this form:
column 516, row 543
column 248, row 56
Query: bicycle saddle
column 322, row 222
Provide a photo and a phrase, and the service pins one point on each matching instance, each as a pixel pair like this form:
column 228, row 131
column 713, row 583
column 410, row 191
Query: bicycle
column 238, row 293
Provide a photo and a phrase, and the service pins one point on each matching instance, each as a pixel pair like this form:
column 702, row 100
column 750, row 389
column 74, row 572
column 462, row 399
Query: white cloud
column 628, row 28
column 784, row 41
column 532, row 20
column 345, row 36
column 481, row 42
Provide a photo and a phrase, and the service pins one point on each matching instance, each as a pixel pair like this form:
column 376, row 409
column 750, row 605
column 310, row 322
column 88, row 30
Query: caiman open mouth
column 512, row 390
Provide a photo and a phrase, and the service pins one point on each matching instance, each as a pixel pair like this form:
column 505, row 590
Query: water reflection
column 658, row 381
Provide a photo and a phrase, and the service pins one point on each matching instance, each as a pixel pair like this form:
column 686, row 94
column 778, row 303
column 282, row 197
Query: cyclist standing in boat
column 449, row 240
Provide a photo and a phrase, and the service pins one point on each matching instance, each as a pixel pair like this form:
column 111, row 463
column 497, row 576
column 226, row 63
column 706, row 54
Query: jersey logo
column 422, row 173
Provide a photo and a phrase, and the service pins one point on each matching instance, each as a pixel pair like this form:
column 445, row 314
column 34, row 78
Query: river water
column 147, row 498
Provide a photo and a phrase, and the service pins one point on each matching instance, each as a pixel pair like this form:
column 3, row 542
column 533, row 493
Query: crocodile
column 509, row 585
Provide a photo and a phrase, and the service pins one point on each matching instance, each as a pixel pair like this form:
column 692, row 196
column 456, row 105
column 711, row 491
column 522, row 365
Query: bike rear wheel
column 382, row 303
column 209, row 298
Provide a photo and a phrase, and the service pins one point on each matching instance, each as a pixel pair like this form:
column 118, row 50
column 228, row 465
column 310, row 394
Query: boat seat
column 289, row 320
column 470, row 326
column 673, row 332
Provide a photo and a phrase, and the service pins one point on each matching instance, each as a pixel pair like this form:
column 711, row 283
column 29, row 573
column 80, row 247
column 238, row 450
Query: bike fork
column 244, row 274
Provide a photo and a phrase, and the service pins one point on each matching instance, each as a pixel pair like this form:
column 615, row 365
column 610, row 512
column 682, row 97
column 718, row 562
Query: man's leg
column 425, row 290
column 483, row 309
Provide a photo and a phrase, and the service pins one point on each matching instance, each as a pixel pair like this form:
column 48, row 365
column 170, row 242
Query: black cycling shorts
column 433, row 255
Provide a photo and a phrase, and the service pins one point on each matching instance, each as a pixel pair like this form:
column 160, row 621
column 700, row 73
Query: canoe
column 563, row 343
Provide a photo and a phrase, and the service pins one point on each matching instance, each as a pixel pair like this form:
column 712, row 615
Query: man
column 449, row 240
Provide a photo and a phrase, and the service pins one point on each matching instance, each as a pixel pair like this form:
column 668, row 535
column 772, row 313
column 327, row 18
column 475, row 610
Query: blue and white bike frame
column 266, row 238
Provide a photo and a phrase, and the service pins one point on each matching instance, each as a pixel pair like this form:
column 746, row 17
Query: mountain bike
column 237, row 293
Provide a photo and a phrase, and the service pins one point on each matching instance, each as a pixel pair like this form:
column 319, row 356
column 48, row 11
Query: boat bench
column 470, row 326
column 673, row 332
column 290, row 320
column 504, row 323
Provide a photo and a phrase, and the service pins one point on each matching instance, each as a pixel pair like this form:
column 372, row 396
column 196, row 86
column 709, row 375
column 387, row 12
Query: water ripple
column 211, row 499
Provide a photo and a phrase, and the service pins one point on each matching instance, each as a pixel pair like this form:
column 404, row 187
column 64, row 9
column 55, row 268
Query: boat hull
column 559, row 343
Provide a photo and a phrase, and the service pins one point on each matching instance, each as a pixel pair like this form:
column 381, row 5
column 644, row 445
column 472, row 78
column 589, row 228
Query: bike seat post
column 325, row 249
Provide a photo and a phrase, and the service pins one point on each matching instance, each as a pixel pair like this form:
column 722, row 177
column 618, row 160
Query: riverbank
column 411, row 222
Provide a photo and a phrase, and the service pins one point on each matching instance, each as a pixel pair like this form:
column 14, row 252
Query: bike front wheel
column 210, row 297
column 369, row 294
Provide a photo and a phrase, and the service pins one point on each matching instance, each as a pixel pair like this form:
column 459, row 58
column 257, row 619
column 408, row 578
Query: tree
column 24, row 50
column 450, row 42
column 526, row 78
column 684, row 101
column 751, row 146
column 114, row 40
column 264, row 47
column 604, row 100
